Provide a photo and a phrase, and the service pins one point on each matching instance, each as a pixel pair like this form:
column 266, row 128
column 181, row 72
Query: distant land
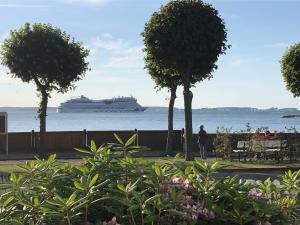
column 220, row 109
column 235, row 109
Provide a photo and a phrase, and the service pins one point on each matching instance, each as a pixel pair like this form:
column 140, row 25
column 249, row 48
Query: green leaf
column 93, row 181
column 13, row 177
column 24, row 167
column 71, row 199
column 80, row 205
column 214, row 167
column 54, row 203
column 101, row 184
column 130, row 187
column 152, row 198
column 79, row 186
column 83, row 169
column 82, row 150
column 121, row 187
column 202, row 165
column 36, row 200
column 135, row 147
column 93, row 146
column 157, row 170
column 118, row 139
column 131, row 140
column 51, row 158
column 7, row 201
column 188, row 170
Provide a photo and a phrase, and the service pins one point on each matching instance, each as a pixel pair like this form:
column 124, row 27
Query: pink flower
column 211, row 215
column 260, row 222
column 186, row 183
column 254, row 194
column 176, row 180
column 185, row 197
column 112, row 222
column 267, row 223
column 196, row 210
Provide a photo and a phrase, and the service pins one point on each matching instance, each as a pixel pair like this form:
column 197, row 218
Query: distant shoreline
column 291, row 116
column 293, row 112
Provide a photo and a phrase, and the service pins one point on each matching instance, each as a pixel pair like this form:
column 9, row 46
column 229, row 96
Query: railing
column 66, row 141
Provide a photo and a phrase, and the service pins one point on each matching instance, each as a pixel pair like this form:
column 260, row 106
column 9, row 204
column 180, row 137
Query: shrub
column 110, row 189
column 223, row 142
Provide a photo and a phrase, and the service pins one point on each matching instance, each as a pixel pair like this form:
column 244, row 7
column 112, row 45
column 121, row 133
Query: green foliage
column 290, row 69
column 185, row 37
column 125, row 147
column 109, row 189
column 223, row 142
column 163, row 78
column 183, row 41
column 45, row 55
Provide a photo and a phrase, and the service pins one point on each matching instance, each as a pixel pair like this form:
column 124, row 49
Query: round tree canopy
column 163, row 78
column 187, row 36
column 45, row 55
column 290, row 69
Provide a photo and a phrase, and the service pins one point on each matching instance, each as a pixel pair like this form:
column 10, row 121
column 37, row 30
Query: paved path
column 249, row 175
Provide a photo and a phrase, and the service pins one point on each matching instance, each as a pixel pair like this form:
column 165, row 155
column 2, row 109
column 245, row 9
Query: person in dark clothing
column 202, row 141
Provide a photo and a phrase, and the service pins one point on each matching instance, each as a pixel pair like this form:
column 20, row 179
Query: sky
column 259, row 31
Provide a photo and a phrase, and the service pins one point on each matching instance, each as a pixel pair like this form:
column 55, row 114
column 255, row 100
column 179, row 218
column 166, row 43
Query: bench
column 243, row 147
column 260, row 148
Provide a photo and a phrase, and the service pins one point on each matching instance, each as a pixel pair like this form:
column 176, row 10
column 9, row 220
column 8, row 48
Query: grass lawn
column 8, row 168
column 12, row 166
column 226, row 164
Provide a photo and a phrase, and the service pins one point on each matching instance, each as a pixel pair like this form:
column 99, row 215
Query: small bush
column 223, row 142
column 110, row 189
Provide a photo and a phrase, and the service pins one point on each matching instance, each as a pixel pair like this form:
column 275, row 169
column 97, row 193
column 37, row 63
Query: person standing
column 202, row 141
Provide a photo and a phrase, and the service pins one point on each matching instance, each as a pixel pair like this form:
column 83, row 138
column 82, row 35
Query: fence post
column 32, row 142
column 137, row 136
column 84, row 138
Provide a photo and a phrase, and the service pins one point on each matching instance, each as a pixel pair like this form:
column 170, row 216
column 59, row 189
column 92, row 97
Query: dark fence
column 17, row 142
column 101, row 137
column 66, row 141
column 62, row 141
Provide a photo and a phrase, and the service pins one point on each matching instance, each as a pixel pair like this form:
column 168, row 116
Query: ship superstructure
column 84, row 104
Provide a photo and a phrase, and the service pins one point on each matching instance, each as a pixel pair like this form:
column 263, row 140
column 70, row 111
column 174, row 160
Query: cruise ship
column 84, row 104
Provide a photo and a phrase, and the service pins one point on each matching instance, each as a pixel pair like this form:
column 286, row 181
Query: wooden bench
column 243, row 147
column 260, row 149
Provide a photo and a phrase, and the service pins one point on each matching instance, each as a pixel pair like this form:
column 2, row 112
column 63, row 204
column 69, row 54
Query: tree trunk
column 170, row 138
column 188, row 134
column 42, row 116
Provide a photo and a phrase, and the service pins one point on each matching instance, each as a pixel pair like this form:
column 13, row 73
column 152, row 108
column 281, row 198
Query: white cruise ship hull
column 74, row 110
column 83, row 104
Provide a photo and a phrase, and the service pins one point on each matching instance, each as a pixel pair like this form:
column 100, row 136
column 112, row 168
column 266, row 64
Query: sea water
column 25, row 120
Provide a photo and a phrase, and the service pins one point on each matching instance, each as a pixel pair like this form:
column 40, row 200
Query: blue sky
column 248, row 75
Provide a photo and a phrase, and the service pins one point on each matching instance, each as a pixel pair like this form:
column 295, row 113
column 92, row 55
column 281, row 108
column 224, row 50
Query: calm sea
column 24, row 120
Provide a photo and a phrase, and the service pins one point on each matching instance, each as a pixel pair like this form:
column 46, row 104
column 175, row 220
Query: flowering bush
column 110, row 188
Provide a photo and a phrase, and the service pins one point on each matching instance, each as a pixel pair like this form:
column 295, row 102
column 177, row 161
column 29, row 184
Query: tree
column 290, row 69
column 186, row 36
column 45, row 55
column 165, row 78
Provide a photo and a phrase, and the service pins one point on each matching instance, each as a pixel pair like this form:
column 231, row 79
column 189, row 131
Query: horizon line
column 182, row 108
